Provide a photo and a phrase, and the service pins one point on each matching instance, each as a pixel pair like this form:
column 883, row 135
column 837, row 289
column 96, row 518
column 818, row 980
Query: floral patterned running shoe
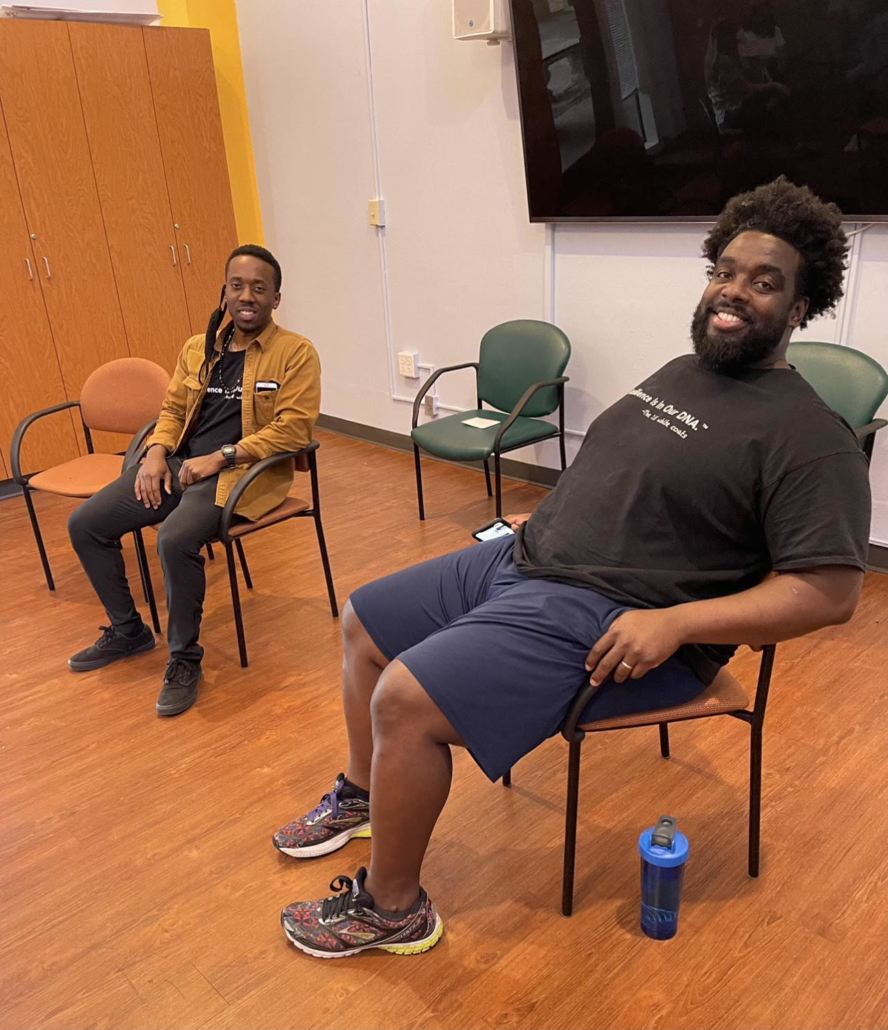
column 340, row 816
column 349, row 922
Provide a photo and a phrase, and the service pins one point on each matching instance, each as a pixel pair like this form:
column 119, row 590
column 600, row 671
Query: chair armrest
column 136, row 450
column 256, row 470
column 755, row 717
column 427, row 385
column 15, row 448
column 870, row 427
column 519, row 407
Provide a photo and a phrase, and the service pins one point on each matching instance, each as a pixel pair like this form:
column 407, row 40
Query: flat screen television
column 663, row 109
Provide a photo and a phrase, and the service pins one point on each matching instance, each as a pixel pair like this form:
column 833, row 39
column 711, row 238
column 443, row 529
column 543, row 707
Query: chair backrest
column 514, row 356
column 121, row 396
column 849, row 381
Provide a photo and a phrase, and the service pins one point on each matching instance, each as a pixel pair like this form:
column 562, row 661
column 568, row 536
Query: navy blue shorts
column 503, row 654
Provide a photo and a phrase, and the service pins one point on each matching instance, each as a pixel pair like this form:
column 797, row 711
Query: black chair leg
column 487, row 476
column 499, row 486
column 563, row 452
column 755, row 798
column 507, row 778
column 664, row 739
column 38, row 536
column 328, row 575
column 243, row 560
column 145, row 573
column 418, row 483
column 570, row 827
column 210, row 553
column 235, row 602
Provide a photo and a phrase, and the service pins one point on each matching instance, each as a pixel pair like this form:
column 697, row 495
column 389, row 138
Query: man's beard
column 722, row 353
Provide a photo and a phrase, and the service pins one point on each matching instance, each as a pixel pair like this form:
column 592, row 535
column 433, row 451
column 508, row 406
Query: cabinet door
column 180, row 65
column 30, row 378
column 112, row 75
column 38, row 90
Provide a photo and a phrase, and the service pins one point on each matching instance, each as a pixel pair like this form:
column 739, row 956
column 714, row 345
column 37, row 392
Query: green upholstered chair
column 849, row 381
column 518, row 374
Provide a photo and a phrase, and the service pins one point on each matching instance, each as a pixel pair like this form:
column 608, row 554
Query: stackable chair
column 519, row 375
column 724, row 696
column 233, row 530
column 849, row 381
column 122, row 396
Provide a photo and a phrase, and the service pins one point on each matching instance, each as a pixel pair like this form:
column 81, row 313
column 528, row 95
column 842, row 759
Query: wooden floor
column 139, row 887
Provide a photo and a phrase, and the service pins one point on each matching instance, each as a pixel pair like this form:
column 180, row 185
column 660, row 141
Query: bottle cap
column 662, row 845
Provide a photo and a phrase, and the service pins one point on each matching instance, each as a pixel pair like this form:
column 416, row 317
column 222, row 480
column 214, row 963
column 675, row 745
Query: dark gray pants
column 190, row 520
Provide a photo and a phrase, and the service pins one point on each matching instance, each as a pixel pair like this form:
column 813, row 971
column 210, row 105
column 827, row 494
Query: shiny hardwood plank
column 138, row 885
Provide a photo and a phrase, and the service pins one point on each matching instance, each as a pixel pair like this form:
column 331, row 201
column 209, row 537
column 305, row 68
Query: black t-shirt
column 696, row 485
column 220, row 419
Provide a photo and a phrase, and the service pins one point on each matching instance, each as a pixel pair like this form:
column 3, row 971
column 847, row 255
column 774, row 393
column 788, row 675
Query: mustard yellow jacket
column 274, row 420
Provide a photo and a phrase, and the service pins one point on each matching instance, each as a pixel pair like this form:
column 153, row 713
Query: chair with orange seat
column 724, row 696
column 122, row 396
column 232, row 530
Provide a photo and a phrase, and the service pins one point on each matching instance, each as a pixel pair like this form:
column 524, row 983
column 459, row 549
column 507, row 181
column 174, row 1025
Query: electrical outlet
column 431, row 405
column 408, row 364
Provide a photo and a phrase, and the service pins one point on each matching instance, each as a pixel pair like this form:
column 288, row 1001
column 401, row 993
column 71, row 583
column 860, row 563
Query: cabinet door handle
column 187, row 254
column 30, row 270
column 48, row 273
column 173, row 252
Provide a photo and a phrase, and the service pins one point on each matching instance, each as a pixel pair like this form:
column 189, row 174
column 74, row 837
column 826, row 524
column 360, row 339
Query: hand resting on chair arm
column 787, row 605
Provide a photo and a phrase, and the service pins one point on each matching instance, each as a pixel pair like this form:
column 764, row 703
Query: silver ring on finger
column 626, row 665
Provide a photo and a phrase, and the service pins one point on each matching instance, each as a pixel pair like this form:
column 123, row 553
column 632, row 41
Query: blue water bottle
column 664, row 852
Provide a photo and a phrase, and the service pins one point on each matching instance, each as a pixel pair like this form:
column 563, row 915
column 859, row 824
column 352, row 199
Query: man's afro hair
column 793, row 214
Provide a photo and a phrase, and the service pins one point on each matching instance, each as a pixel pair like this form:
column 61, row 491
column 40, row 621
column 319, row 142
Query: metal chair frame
column 574, row 734
column 233, row 544
column 23, row 479
column 498, row 448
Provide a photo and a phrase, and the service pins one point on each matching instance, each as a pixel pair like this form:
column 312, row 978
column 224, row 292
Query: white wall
column 363, row 98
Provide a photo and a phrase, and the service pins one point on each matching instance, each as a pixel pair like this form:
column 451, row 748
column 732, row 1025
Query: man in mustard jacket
column 245, row 391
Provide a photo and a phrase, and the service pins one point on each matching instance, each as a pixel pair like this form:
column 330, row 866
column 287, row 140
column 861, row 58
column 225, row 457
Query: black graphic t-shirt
column 219, row 420
column 696, row 485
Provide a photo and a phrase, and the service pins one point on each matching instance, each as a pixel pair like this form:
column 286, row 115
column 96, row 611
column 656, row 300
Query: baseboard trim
column 9, row 488
column 877, row 560
column 524, row 472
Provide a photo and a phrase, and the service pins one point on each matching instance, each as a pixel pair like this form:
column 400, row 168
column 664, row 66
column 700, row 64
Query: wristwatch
column 229, row 453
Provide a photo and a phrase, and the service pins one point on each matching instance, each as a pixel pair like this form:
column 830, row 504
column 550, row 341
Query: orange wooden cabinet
column 30, row 378
column 116, row 211
column 180, row 66
column 38, row 90
column 112, row 75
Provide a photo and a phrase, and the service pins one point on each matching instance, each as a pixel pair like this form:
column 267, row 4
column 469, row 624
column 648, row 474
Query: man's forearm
column 781, row 607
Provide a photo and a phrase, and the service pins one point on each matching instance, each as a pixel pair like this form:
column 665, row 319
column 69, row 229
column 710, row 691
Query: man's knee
column 398, row 701
column 173, row 543
column 356, row 641
column 82, row 526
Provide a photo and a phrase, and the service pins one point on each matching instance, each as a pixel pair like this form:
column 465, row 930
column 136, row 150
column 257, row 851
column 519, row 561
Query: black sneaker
column 179, row 687
column 111, row 646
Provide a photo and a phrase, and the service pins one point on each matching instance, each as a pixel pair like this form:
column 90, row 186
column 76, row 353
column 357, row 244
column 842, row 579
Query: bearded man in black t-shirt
column 642, row 570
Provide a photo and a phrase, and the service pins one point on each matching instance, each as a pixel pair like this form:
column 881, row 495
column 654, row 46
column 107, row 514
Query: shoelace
column 342, row 903
column 106, row 637
column 329, row 803
column 178, row 671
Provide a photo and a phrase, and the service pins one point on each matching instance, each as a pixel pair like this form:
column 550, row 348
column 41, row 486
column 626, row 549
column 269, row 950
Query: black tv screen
column 654, row 109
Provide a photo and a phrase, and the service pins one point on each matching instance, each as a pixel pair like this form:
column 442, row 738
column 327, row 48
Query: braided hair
column 218, row 315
